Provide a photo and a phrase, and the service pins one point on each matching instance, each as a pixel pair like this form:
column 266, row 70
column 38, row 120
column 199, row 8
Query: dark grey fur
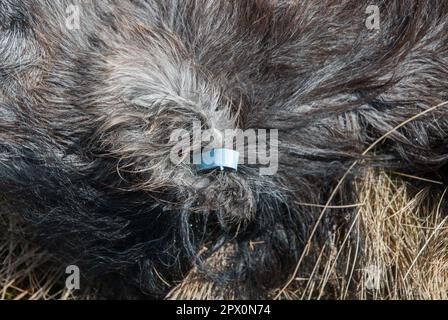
column 86, row 115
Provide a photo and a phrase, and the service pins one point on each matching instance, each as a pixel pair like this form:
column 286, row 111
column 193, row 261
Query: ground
column 402, row 253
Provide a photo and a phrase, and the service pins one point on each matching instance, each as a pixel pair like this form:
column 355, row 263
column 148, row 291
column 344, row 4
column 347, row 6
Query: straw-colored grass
column 407, row 239
column 395, row 248
column 27, row 272
column 398, row 248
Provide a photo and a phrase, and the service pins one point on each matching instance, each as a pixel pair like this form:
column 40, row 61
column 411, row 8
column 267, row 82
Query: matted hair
column 86, row 114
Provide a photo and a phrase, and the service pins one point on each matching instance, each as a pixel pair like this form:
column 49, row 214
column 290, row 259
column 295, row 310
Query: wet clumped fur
column 86, row 116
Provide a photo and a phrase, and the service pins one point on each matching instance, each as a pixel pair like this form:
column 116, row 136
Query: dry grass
column 396, row 248
column 407, row 241
column 26, row 271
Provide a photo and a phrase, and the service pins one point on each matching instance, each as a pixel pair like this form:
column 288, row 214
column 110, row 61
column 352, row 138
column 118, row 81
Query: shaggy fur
column 86, row 115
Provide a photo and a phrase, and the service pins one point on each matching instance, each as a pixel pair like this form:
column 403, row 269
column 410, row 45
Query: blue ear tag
column 217, row 158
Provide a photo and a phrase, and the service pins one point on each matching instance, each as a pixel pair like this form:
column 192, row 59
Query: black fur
column 85, row 117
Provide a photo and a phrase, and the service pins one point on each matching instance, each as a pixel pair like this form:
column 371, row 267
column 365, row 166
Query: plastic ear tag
column 217, row 158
